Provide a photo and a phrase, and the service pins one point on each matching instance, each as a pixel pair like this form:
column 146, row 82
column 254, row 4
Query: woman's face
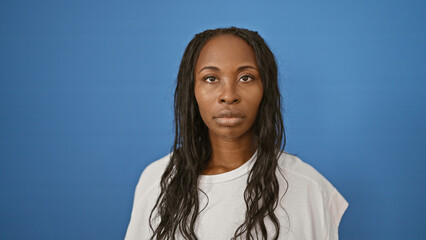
column 228, row 87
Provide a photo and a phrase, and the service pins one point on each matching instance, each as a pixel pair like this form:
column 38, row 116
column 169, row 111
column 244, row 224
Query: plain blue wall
column 86, row 103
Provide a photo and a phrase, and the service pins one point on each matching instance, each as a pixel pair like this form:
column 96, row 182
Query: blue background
column 86, row 97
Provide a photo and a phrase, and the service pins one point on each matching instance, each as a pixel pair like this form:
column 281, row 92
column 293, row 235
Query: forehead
column 226, row 50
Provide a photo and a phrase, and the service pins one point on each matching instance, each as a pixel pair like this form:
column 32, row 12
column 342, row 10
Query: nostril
column 229, row 102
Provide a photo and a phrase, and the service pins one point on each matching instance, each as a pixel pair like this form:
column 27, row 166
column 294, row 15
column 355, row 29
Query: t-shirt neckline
column 227, row 176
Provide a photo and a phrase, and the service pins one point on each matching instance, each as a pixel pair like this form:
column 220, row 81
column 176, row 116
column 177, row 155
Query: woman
column 228, row 176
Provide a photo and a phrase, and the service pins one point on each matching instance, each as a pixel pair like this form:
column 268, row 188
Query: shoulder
column 297, row 168
column 154, row 169
column 153, row 172
column 150, row 177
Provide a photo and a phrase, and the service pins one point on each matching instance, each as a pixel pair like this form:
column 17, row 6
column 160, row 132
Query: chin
column 229, row 132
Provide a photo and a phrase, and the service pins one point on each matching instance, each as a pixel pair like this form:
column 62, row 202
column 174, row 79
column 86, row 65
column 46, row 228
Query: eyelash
column 208, row 77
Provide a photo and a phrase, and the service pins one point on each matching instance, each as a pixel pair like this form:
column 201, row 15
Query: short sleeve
column 146, row 193
column 337, row 208
column 133, row 231
column 138, row 193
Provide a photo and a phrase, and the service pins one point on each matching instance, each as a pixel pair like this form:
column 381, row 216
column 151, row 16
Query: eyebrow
column 217, row 69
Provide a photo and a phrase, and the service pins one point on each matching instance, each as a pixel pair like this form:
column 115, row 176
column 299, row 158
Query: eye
column 209, row 79
column 247, row 78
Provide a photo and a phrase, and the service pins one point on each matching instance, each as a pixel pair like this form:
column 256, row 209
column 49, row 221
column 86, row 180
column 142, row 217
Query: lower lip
column 228, row 122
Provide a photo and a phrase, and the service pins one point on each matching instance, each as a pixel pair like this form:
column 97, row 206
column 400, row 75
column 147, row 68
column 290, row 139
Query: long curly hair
column 178, row 203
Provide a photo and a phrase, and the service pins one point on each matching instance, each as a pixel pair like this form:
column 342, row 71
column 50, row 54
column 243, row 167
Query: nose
column 229, row 94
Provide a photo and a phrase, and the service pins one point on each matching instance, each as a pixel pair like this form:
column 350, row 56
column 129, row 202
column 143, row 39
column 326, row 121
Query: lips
column 229, row 114
column 229, row 118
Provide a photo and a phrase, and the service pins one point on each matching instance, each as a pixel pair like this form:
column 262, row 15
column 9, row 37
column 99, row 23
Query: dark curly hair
column 178, row 205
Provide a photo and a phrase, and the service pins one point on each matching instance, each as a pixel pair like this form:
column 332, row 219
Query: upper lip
column 229, row 113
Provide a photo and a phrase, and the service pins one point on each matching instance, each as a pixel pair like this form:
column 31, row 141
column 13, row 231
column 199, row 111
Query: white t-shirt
column 313, row 206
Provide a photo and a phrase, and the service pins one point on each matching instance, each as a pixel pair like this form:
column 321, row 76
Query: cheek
column 204, row 104
column 255, row 99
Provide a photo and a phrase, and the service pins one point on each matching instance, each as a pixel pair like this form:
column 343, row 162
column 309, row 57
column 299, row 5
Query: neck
column 229, row 154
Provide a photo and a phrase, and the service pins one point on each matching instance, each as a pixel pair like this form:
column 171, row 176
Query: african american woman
column 227, row 176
